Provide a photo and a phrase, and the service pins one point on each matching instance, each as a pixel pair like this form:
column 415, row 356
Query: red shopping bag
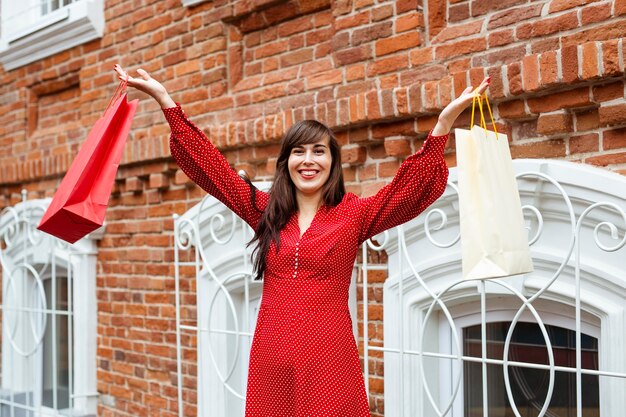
column 79, row 205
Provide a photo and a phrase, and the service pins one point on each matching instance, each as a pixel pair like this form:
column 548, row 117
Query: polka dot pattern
column 304, row 360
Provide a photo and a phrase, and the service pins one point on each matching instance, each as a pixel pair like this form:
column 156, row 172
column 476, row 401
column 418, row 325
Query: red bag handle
column 121, row 89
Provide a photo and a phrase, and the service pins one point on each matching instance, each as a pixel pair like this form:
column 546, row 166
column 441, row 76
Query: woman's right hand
column 148, row 85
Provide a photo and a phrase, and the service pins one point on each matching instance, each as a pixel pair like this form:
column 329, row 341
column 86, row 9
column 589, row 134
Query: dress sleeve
column 420, row 180
column 207, row 167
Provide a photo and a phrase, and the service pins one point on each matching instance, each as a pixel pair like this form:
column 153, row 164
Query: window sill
column 66, row 28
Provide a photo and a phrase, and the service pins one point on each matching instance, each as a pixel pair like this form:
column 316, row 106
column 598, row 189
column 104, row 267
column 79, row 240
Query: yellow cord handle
column 479, row 99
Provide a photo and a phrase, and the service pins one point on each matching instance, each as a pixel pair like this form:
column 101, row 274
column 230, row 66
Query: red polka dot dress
column 304, row 360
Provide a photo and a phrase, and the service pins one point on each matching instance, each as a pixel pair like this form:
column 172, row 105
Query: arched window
column 48, row 318
column 454, row 346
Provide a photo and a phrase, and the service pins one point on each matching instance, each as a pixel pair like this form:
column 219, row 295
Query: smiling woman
column 304, row 360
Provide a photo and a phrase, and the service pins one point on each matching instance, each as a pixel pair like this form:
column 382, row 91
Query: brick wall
column 378, row 72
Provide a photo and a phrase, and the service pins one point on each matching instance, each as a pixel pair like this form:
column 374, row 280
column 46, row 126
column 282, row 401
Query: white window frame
column 79, row 260
column 599, row 272
column 46, row 35
column 189, row 3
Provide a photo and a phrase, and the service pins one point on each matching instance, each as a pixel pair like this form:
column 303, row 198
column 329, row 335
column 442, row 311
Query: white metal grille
column 577, row 237
column 38, row 343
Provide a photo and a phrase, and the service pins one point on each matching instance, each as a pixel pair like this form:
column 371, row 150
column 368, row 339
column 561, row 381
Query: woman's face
column 309, row 166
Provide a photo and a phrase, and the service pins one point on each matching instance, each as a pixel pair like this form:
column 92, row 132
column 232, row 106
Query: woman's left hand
column 456, row 107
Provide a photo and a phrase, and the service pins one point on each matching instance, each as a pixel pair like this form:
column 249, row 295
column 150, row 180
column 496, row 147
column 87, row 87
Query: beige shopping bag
column 494, row 241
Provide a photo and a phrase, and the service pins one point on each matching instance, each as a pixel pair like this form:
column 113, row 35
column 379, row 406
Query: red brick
column 613, row 29
column 372, row 32
column 476, row 76
column 562, row 100
column 347, row 22
column 408, row 22
column 457, row 31
column 382, row 12
column 460, row 82
column 397, row 43
column 512, row 110
column 297, row 57
column 583, row 143
column 548, row 44
column 353, row 155
column 372, row 104
column 460, row 48
column 458, row 12
column 386, row 65
column 134, row 184
column 445, row 91
column 608, row 159
column 352, row 55
column 614, row 139
column 620, row 7
column 530, row 72
column 401, row 100
column 159, row 180
column 499, row 38
column 595, row 13
column 403, row 128
column 480, row 7
column 608, row 92
column 569, row 63
column 514, row 15
column 547, row 149
column 610, row 59
column 398, row 146
column 500, row 57
column 430, row 96
column 548, row 68
column 325, row 79
column 612, row 114
column 587, row 120
column 405, row 6
column 426, row 124
column 436, row 16
column 590, row 61
column 415, row 99
column 421, row 56
column 355, row 72
column 549, row 124
column 496, row 85
column 547, row 26
column 560, row 5
column 387, row 169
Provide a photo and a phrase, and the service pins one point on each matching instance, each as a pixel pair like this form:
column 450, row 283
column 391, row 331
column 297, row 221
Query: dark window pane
column 529, row 386
column 56, row 342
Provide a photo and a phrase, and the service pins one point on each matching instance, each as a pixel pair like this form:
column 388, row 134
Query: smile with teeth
column 308, row 173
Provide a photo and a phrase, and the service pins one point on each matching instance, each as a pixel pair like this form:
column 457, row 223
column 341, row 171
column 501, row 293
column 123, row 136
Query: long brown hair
column 282, row 202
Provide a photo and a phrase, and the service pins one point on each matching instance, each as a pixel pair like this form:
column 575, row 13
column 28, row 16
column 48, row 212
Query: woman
column 304, row 360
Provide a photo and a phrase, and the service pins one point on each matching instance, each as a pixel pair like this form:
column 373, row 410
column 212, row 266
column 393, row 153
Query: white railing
column 426, row 303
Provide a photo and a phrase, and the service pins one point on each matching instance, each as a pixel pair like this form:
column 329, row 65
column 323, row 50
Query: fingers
column 144, row 74
column 120, row 72
column 483, row 85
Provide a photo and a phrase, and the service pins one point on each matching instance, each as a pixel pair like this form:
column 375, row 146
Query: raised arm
column 198, row 157
column 420, row 180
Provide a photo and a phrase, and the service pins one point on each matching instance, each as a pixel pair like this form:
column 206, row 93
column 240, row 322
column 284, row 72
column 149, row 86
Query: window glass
column 56, row 370
column 529, row 386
